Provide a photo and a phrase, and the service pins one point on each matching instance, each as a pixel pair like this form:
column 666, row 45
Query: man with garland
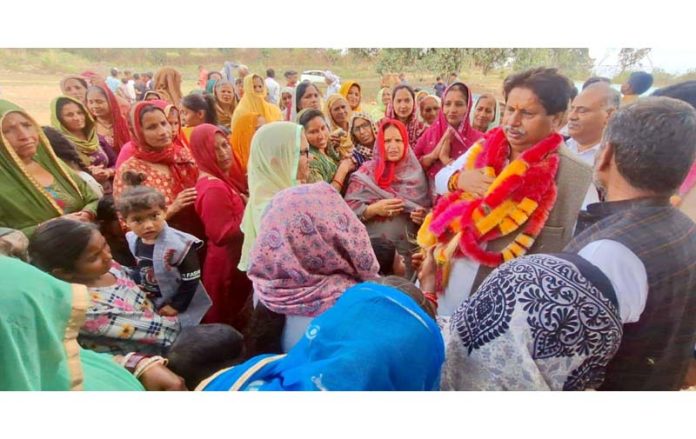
column 517, row 191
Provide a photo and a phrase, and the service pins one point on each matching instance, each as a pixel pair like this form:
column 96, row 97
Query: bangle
column 148, row 363
column 131, row 361
column 125, row 358
column 432, row 297
column 452, row 183
column 339, row 183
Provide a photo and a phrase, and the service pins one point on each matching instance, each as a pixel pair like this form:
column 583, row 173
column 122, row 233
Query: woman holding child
column 167, row 166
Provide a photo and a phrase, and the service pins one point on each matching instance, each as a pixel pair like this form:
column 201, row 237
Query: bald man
column 588, row 117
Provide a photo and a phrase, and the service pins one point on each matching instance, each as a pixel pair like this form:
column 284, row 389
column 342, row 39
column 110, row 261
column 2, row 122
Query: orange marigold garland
column 521, row 197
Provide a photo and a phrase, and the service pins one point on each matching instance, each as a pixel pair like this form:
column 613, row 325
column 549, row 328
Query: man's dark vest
column 655, row 351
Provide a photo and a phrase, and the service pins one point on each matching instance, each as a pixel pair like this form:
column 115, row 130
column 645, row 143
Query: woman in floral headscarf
column 310, row 249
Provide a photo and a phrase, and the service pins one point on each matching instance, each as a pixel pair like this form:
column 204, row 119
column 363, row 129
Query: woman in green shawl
column 35, row 185
column 71, row 118
column 383, row 100
column 326, row 164
column 39, row 321
column 40, row 318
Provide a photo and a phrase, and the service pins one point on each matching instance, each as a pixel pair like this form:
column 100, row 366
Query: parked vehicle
column 313, row 76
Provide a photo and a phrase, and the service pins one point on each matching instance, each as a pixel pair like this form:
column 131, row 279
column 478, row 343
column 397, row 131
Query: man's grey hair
column 654, row 142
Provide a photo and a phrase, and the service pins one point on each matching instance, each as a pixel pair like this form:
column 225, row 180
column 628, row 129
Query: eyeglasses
column 358, row 128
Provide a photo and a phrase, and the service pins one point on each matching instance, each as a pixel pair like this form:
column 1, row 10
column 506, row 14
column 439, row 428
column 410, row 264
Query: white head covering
column 273, row 162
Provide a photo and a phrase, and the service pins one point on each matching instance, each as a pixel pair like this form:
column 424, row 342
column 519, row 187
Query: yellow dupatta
column 253, row 102
column 345, row 88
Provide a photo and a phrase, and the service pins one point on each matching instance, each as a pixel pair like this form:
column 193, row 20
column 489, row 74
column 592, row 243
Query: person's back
column 638, row 220
column 273, row 87
column 112, row 81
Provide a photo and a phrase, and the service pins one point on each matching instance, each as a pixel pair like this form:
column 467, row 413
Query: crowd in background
column 257, row 236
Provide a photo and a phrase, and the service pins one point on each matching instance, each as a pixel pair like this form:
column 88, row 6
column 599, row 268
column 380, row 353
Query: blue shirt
column 113, row 83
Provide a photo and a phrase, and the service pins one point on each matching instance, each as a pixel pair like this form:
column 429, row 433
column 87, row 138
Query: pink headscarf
column 311, row 248
column 414, row 127
column 464, row 135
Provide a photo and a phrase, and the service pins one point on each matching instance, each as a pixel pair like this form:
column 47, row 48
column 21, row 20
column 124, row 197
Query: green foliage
column 489, row 59
column 629, row 58
column 333, row 55
column 575, row 63
column 443, row 61
column 396, row 60
column 365, row 53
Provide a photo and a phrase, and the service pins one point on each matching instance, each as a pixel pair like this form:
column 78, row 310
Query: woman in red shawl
column 221, row 208
column 174, row 119
column 451, row 134
column 112, row 127
column 403, row 108
column 167, row 166
column 390, row 192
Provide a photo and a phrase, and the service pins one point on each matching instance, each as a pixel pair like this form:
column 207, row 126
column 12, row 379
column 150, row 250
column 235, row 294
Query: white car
column 312, row 76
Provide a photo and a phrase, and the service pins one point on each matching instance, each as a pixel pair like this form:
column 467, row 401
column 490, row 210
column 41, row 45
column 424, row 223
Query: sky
column 675, row 61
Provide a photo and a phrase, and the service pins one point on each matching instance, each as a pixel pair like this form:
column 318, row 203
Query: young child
column 391, row 263
column 167, row 261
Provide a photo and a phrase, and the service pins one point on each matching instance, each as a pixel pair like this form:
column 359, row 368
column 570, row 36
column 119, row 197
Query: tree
column 366, row 53
column 395, row 60
column 488, row 59
column 572, row 62
column 629, row 58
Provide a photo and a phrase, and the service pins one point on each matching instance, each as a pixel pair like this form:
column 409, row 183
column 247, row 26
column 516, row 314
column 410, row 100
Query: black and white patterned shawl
column 540, row 322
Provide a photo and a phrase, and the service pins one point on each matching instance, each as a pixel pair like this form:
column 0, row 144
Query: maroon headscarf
column 203, row 150
column 464, row 135
column 121, row 133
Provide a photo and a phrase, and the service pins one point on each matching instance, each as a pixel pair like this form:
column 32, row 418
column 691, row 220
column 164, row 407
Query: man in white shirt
column 273, row 87
column 333, row 83
column 588, row 116
column 646, row 247
column 130, row 86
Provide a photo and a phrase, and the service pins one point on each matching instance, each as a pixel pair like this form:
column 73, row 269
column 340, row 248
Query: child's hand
column 168, row 311
column 160, row 378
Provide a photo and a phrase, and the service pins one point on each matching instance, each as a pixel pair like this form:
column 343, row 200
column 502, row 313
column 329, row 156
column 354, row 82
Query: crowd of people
column 257, row 236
